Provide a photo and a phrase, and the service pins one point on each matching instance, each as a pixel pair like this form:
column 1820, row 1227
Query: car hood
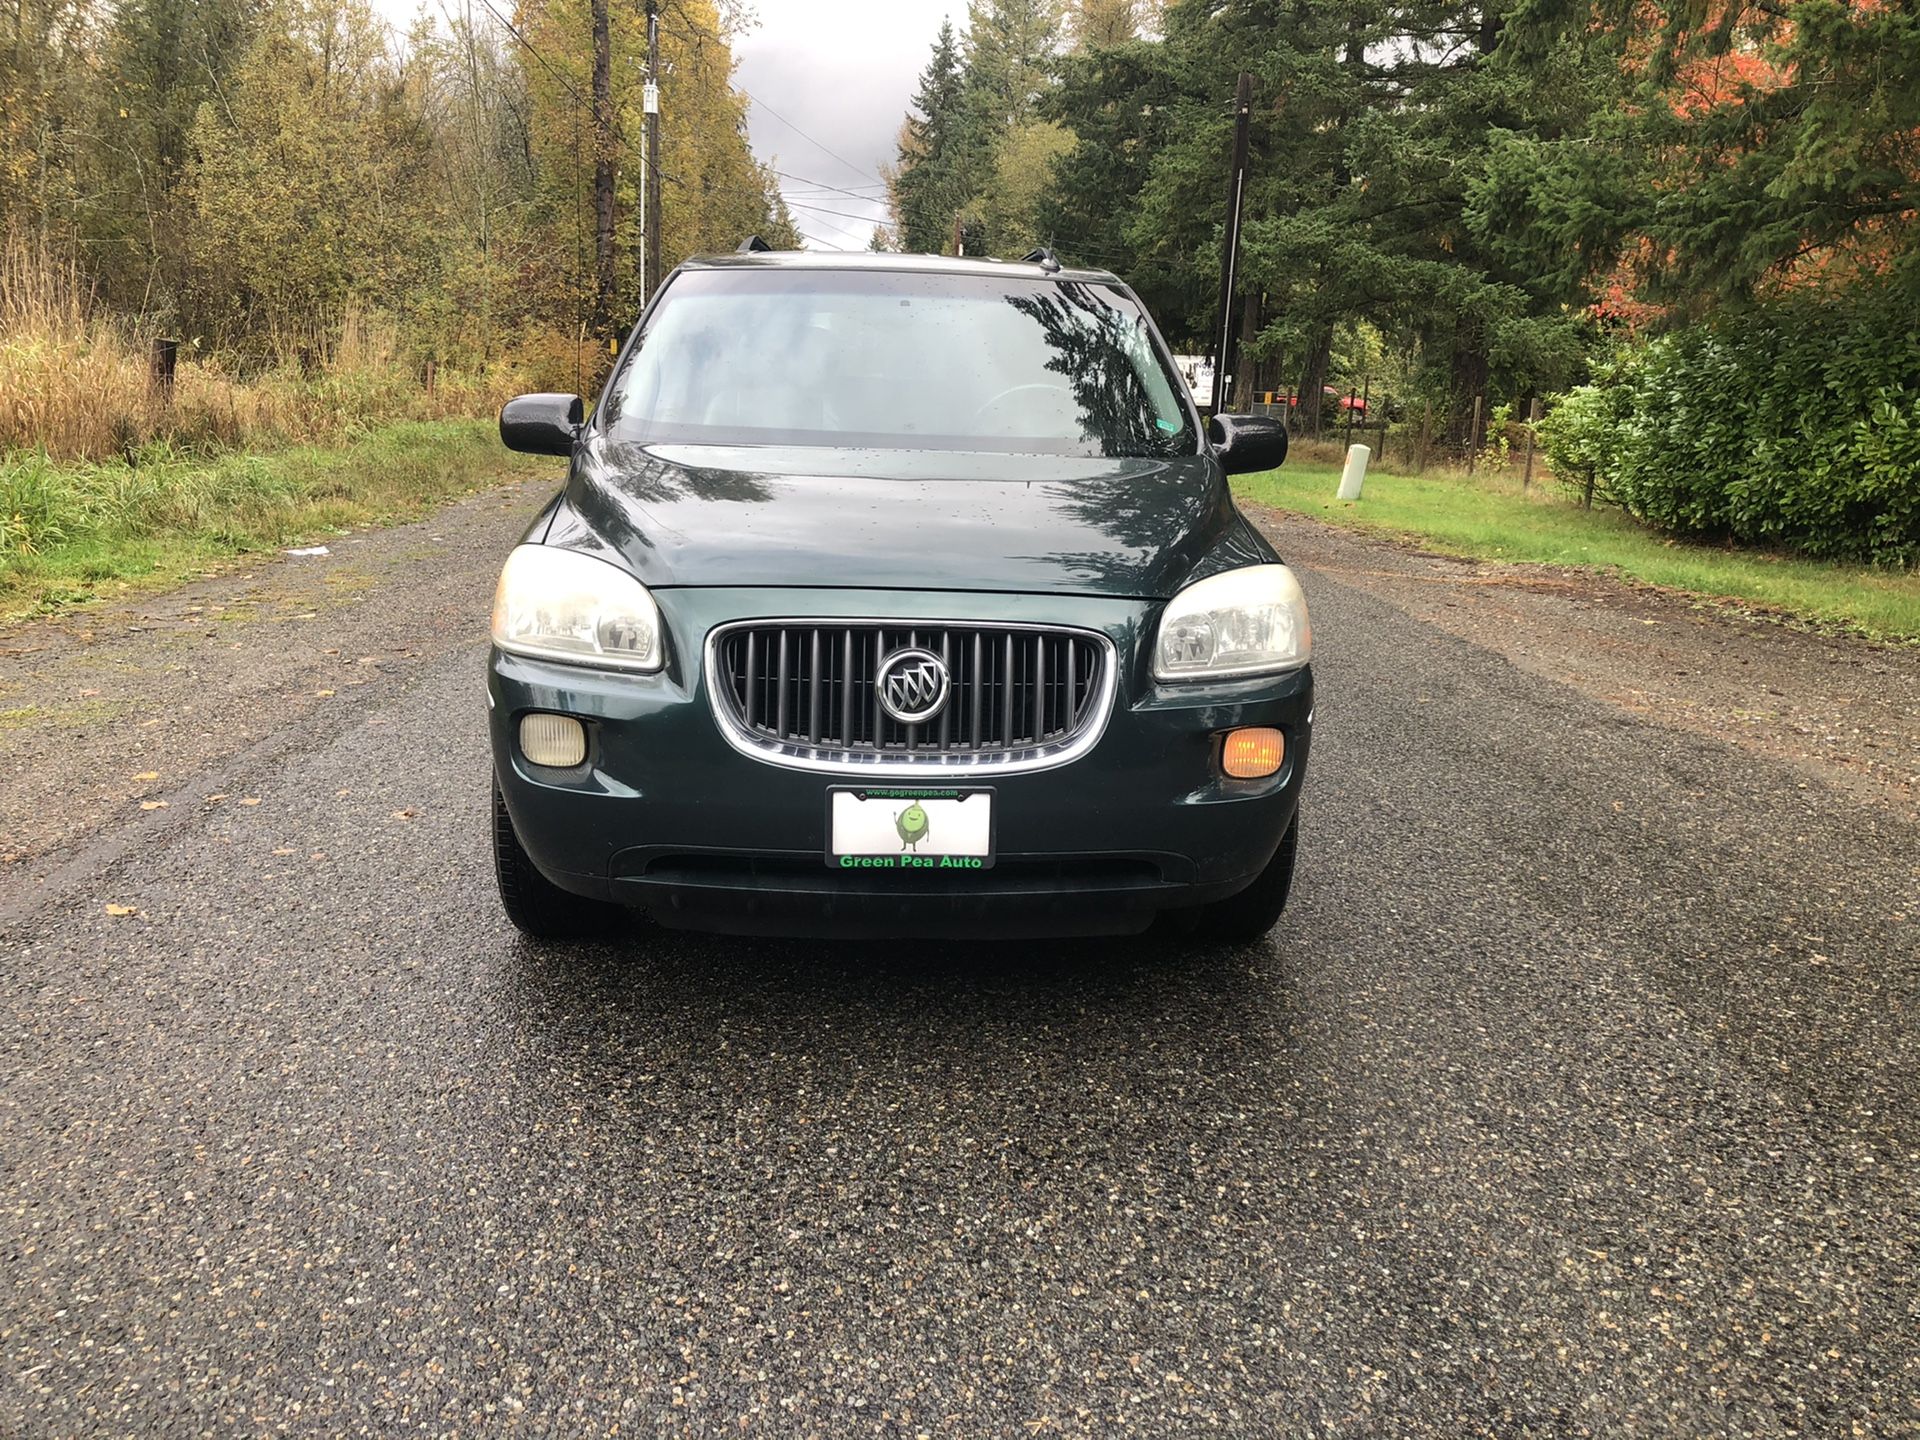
column 704, row 515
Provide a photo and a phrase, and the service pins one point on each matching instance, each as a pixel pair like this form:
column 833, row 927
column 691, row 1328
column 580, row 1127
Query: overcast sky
column 831, row 80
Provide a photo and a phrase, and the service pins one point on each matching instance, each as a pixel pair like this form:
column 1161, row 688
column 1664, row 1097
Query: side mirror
column 541, row 424
column 1244, row 444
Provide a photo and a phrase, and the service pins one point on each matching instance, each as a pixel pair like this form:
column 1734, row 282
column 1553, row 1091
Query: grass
column 1491, row 518
column 73, row 533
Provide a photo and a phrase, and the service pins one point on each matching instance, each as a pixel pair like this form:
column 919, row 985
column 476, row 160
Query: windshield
column 869, row 358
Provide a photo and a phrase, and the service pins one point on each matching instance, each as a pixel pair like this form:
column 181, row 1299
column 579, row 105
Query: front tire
column 1249, row 915
column 537, row 907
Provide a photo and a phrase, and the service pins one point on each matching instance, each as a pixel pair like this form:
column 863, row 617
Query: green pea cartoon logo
column 912, row 825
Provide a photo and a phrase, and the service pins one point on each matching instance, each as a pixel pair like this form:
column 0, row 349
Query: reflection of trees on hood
column 1148, row 510
column 1089, row 341
column 634, row 471
column 627, row 473
column 1139, row 512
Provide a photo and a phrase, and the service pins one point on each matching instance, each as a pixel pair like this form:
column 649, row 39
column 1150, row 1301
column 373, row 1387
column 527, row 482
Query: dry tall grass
column 77, row 388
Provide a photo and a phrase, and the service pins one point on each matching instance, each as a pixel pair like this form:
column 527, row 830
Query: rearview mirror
column 1244, row 444
column 541, row 424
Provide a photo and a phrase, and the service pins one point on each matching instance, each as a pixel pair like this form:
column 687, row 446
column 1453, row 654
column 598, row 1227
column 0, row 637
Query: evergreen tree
column 1118, row 103
column 1007, row 148
column 1745, row 151
column 1009, row 52
column 1103, row 24
column 1369, row 122
column 931, row 182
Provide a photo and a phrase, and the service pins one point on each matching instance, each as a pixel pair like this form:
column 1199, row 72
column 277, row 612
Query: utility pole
column 602, row 167
column 650, row 167
column 1230, row 250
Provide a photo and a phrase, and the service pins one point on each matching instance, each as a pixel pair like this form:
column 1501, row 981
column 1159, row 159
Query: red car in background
column 1332, row 397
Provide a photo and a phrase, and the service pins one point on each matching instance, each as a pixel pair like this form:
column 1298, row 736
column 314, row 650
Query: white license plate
column 909, row 827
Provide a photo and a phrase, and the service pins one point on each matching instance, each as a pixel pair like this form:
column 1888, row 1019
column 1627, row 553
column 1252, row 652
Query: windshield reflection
column 921, row 360
column 1101, row 352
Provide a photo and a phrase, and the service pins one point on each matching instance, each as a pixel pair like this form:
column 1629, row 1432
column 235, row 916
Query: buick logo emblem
column 913, row 685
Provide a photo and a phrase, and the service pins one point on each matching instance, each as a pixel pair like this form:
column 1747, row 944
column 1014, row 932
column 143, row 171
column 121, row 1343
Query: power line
column 847, row 235
column 534, row 50
column 857, row 169
column 852, row 232
column 840, row 221
column 837, row 189
column 844, row 215
column 806, row 192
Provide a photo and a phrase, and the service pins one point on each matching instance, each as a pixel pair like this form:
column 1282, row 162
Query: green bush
column 1795, row 425
column 1580, row 432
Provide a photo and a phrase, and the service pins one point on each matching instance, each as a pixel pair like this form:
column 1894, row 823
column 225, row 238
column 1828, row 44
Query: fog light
column 1253, row 754
column 558, row 741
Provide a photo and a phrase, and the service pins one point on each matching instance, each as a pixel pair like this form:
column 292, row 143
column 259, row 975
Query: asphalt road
column 1576, row 1094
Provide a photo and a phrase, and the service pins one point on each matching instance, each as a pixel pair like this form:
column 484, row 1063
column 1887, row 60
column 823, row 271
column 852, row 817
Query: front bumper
column 666, row 815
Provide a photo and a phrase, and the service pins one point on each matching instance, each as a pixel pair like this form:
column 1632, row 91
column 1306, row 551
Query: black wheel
column 1253, row 912
column 536, row 905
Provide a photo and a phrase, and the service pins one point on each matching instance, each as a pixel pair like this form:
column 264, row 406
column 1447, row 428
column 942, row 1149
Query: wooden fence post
column 160, row 366
column 1533, row 419
column 1473, row 437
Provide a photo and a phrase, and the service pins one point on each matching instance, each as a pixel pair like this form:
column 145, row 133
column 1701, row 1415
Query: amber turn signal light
column 1252, row 754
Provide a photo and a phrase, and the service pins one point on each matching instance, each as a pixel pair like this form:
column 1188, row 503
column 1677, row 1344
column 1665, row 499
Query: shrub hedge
column 1794, row 425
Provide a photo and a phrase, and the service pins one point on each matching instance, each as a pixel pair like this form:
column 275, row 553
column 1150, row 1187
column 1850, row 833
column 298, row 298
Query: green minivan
column 896, row 596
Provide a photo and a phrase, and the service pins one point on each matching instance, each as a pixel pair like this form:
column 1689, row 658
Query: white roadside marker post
column 1356, row 471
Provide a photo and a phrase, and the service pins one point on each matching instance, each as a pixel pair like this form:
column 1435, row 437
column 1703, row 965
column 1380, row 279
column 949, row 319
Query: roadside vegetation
column 109, row 482
column 1491, row 517
column 77, row 386
column 76, row 532
column 1794, row 426
column 352, row 246
column 290, row 189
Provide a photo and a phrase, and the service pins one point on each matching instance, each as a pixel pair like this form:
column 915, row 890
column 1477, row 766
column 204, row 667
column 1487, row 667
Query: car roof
column 887, row 260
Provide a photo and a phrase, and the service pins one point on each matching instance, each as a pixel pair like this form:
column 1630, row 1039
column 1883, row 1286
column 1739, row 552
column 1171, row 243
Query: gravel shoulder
column 1843, row 711
column 115, row 716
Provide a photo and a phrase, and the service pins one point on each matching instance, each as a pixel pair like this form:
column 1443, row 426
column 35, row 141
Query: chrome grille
column 804, row 690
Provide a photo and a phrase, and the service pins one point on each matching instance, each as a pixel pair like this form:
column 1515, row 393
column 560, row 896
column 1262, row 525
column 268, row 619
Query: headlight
column 1251, row 621
column 563, row 605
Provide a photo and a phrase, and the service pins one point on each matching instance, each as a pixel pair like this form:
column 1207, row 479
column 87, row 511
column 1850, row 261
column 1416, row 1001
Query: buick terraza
column 896, row 596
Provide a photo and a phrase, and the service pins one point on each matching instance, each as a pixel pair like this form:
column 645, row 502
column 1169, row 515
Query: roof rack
column 1043, row 256
column 754, row 245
